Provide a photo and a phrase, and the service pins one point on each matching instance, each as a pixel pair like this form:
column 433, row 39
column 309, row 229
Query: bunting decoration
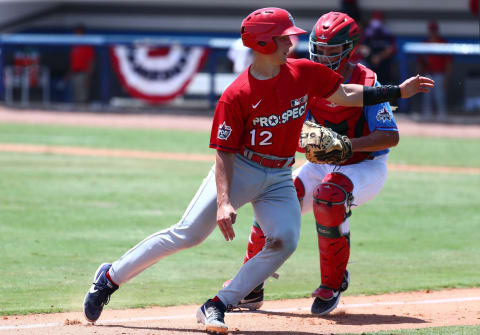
column 157, row 74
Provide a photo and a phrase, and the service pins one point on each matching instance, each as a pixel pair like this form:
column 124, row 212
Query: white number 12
column 265, row 134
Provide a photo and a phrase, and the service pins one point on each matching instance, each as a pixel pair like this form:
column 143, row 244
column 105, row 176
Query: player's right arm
column 225, row 137
column 226, row 214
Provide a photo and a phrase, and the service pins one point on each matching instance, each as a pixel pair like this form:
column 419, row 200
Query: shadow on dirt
column 342, row 318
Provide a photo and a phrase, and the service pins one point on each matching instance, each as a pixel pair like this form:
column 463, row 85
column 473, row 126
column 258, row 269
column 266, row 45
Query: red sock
column 110, row 279
column 218, row 301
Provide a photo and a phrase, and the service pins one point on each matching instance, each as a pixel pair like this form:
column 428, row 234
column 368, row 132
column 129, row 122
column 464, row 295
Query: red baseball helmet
column 259, row 28
column 333, row 40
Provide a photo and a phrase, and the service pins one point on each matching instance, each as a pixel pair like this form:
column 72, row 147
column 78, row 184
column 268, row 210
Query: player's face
column 328, row 55
column 283, row 46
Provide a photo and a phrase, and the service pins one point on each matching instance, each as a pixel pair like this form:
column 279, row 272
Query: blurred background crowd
column 182, row 53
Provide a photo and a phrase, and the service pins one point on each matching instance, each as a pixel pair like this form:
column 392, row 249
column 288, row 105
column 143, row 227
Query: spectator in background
column 474, row 7
column 437, row 67
column 240, row 56
column 350, row 7
column 82, row 59
column 381, row 47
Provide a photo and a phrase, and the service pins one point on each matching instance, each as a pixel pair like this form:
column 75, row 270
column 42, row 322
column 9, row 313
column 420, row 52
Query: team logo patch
column 322, row 37
column 384, row 115
column 299, row 101
column 224, row 131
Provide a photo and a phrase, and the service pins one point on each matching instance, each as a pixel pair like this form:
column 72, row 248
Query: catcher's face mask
column 329, row 55
column 333, row 40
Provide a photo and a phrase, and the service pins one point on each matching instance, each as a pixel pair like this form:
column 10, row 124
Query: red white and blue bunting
column 157, row 74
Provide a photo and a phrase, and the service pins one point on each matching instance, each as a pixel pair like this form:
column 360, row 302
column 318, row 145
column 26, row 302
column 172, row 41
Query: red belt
column 268, row 162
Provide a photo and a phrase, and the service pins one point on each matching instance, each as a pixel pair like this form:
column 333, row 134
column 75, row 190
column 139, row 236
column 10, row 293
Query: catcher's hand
column 323, row 145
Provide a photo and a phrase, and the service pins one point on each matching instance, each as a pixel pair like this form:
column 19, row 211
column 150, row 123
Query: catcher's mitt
column 323, row 145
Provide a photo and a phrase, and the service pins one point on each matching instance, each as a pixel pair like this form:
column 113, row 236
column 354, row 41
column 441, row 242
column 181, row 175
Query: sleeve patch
column 224, row 131
column 384, row 115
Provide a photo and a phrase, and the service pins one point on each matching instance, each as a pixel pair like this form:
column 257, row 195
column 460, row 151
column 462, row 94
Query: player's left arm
column 358, row 95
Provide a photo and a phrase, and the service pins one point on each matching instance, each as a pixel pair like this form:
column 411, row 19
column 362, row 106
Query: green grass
column 60, row 216
column 437, row 151
column 411, row 150
column 110, row 138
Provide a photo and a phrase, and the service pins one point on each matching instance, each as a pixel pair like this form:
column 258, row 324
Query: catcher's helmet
column 332, row 31
column 259, row 28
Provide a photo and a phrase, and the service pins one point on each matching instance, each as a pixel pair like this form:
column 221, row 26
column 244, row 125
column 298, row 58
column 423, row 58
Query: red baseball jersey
column 354, row 121
column 348, row 121
column 266, row 116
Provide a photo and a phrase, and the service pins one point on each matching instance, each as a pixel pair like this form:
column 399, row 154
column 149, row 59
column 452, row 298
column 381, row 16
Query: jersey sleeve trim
column 223, row 148
column 335, row 88
column 388, row 129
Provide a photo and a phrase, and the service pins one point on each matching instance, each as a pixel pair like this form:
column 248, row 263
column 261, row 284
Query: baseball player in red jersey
column 255, row 131
column 372, row 130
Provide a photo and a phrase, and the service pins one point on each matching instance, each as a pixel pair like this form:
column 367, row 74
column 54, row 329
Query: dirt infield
column 356, row 314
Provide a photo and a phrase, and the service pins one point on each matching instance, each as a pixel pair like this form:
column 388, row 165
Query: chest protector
column 349, row 121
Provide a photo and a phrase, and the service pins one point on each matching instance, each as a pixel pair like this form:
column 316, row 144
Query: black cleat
column 326, row 299
column 99, row 294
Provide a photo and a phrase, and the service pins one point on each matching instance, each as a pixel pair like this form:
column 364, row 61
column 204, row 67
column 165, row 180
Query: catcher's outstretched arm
column 358, row 95
column 375, row 141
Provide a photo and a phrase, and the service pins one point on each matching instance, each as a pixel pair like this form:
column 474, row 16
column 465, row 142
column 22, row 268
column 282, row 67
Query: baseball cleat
column 326, row 299
column 99, row 294
column 254, row 300
column 212, row 315
column 345, row 281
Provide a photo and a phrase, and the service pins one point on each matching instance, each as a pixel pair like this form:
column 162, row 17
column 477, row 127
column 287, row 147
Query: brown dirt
column 355, row 314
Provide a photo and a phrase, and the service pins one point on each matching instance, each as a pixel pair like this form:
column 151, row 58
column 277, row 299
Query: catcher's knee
column 332, row 200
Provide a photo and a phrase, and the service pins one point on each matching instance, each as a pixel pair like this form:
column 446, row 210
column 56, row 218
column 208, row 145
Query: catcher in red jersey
column 255, row 130
column 356, row 180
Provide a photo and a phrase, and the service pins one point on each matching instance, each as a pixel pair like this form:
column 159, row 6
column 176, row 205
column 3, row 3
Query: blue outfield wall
column 53, row 43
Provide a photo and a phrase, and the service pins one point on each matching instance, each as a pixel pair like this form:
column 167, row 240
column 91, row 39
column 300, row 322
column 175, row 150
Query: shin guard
column 256, row 242
column 331, row 206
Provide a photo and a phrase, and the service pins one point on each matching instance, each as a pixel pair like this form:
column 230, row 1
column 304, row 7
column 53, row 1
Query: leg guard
column 300, row 188
column 331, row 206
column 256, row 242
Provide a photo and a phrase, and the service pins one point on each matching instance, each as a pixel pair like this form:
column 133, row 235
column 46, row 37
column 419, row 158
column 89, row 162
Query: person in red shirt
column 474, row 7
column 438, row 67
column 372, row 131
column 82, row 59
column 255, row 131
